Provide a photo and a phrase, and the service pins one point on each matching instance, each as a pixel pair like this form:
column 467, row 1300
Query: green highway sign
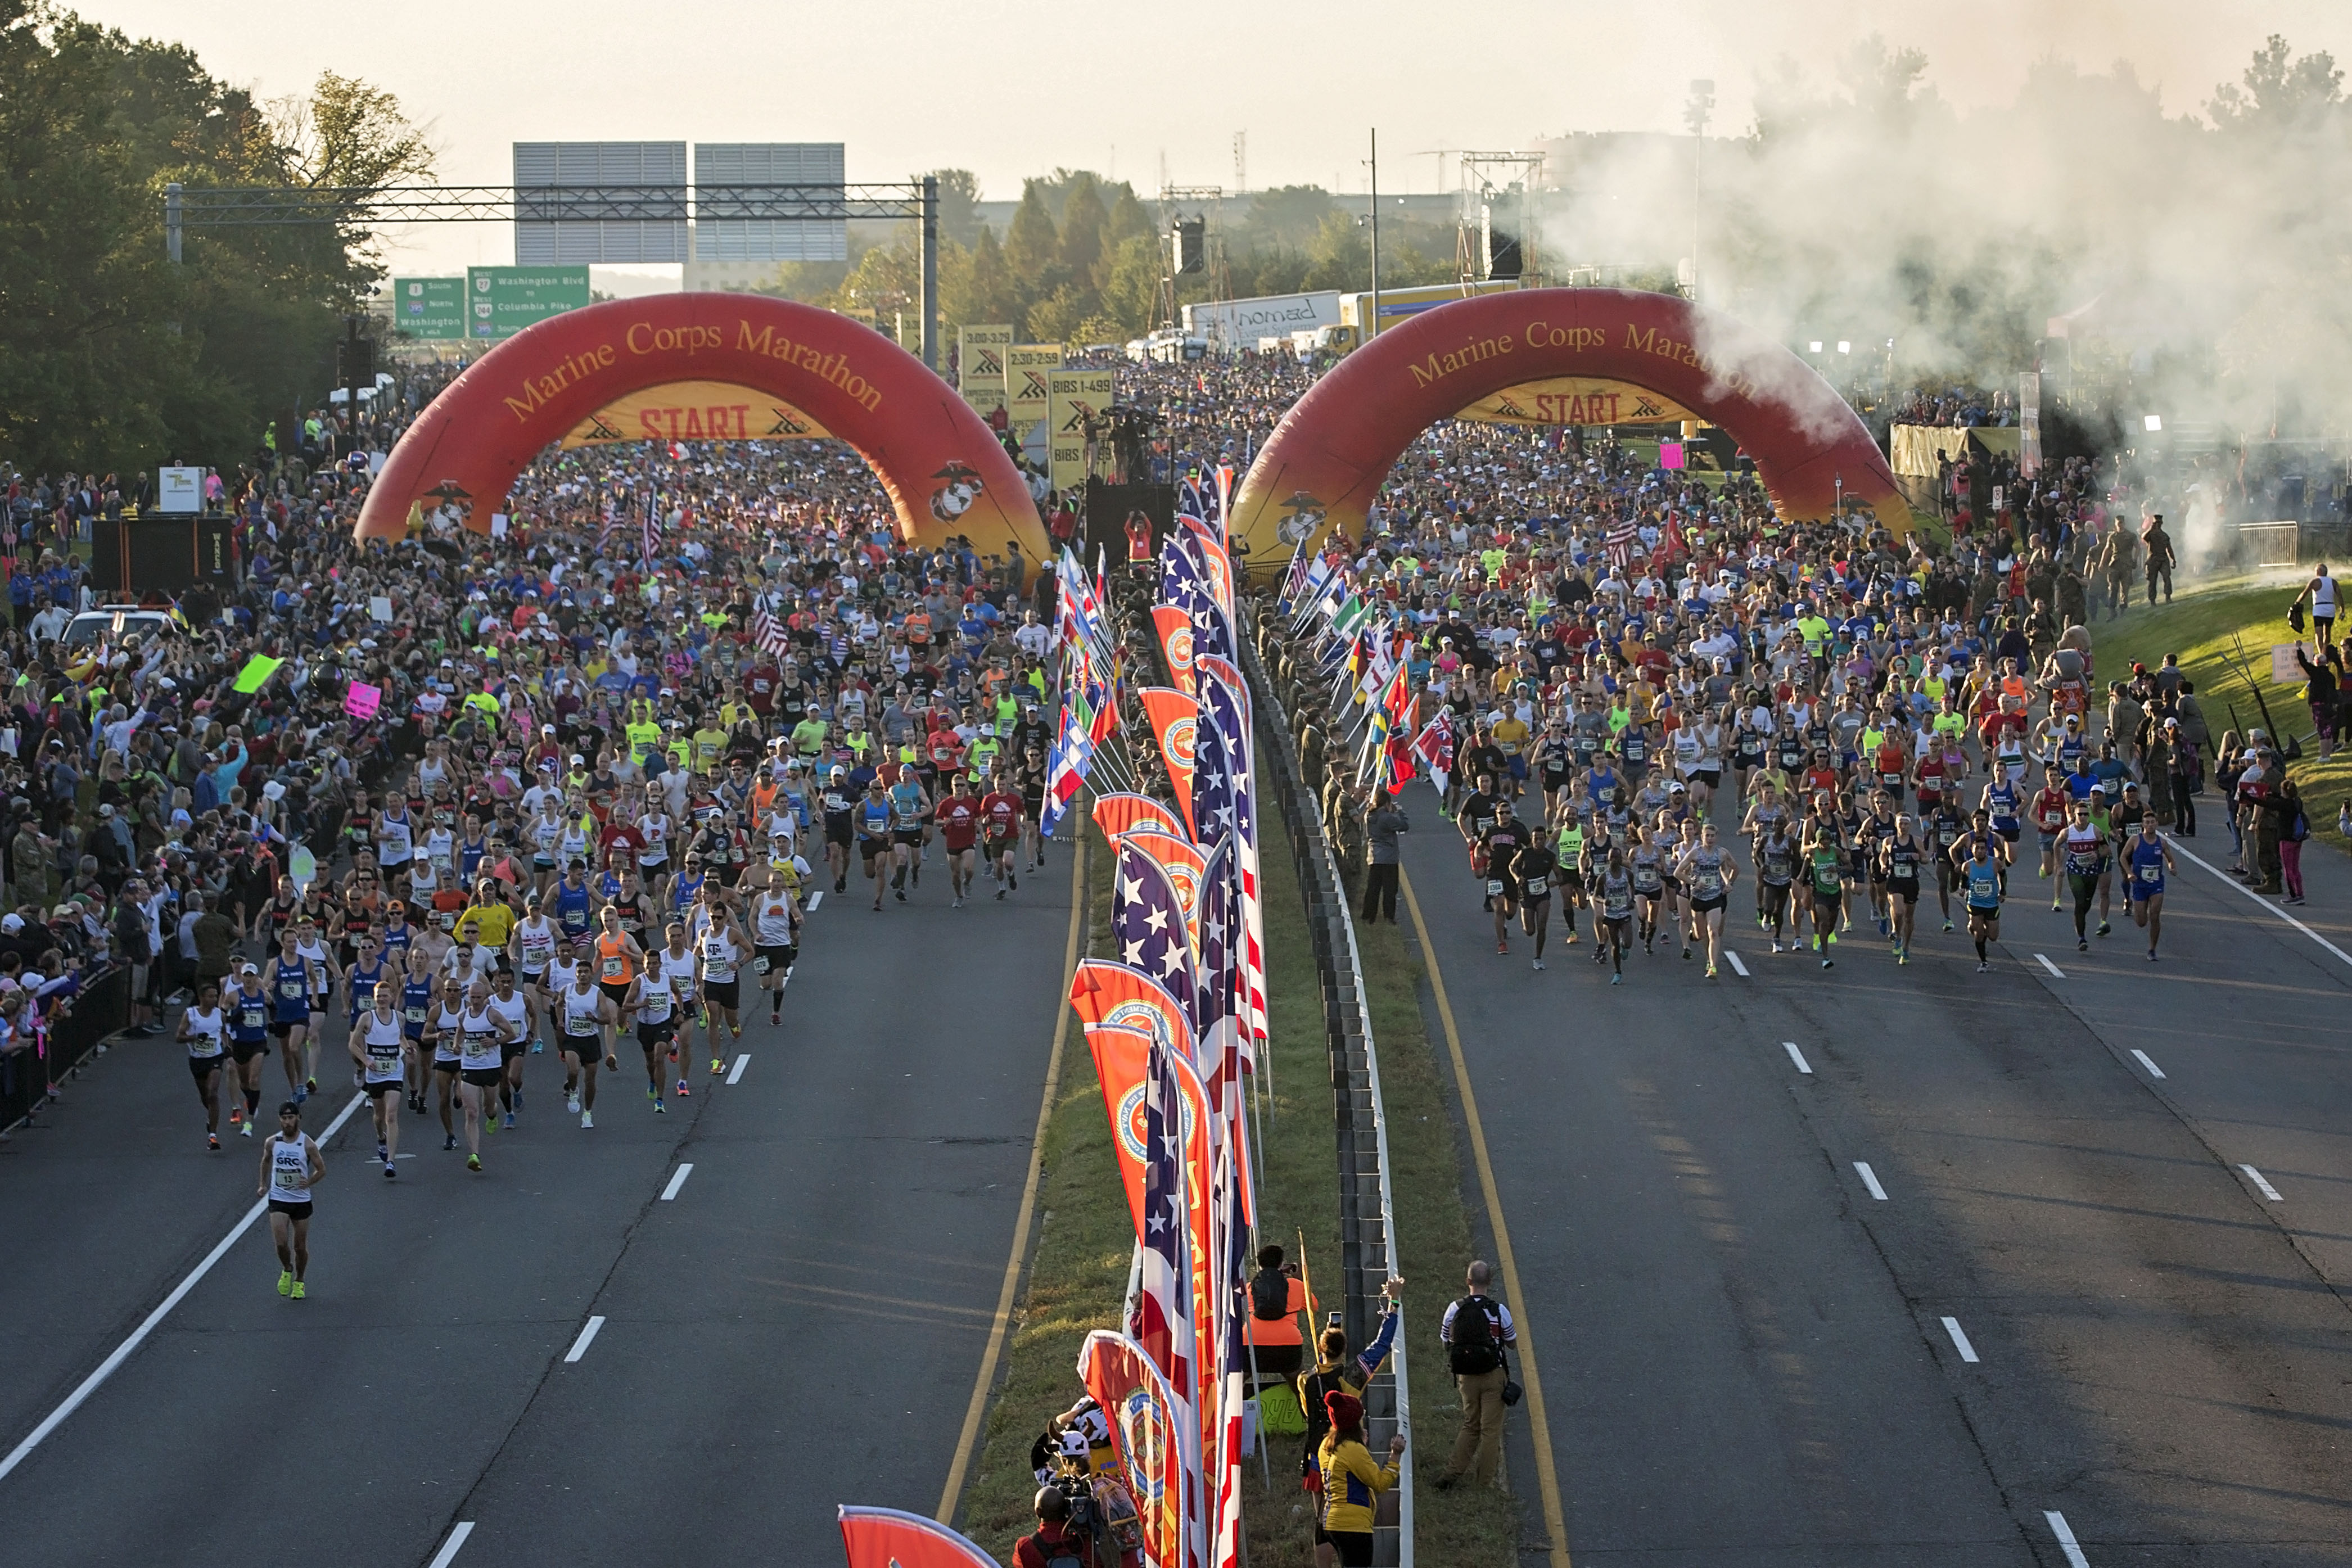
column 430, row 308
column 503, row 300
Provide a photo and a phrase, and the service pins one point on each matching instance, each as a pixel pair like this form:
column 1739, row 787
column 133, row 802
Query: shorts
column 377, row 1089
column 727, row 994
column 770, row 960
column 1909, row 892
column 1536, row 903
column 509, row 1050
column 542, row 863
column 841, row 835
column 203, row 1067
column 1827, row 901
column 1571, row 882
column 535, row 977
column 999, row 847
column 908, row 837
column 481, row 1077
column 2144, row 890
column 586, row 1047
column 1710, row 777
column 301, row 1210
column 244, row 1050
column 617, row 992
column 964, row 848
column 1518, row 766
column 2049, row 842
column 1989, row 914
column 284, row 1032
column 652, row 1037
column 1354, row 1547
column 869, row 848
column 448, row 1064
column 1707, row 906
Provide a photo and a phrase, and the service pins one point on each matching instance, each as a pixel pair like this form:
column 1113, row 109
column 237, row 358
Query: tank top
column 538, row 946
column 364, row 983
column 289, row 988
column 248, row 1014
column 205, row 1033
column 477, row 1050
column 572, row 908
column 654, row 1001
column 382, row 1039
column 719, row 957
column 616, row 965
column 445, row 1042
column 774, row 920
column 415, row 1006
column 1984, row 883
column 289, row 1168
column 580, row 1020
column 678, row 970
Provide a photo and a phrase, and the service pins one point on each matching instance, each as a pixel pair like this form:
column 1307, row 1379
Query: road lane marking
column 676, row 1181
column 1738, row 967
column 1870, row 1180
column 2075, row 1558
column 2153, row 1070
column 2056, row 972
column 587, row 1337
column 815, row 899
column 1547, row 1472
column 1960, row 1340
column 2266, row 1189
column 741, row 1063
column 448, row 1553
column 123, row 1352
column 1001, row 1326
column 2228, row 881
column 1797, row 1056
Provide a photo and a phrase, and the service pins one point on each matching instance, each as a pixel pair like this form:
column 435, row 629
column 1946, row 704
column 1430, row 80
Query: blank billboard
column 599, row 202
column 749, row 196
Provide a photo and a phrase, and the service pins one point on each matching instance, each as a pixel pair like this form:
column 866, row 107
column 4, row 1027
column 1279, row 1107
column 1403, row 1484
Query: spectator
column 1477, row 1332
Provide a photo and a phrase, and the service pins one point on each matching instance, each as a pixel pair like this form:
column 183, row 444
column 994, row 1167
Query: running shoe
column 1827, row 961
column 652, row 1091
column 841, row 884
column 473, row 1163
column 899, row 894
column 2105, row 928
column 312, row 1085
column 587, row 1119
column 286, row 1281
column 2081, row 947
column 1902, row 955
column 1710, row 971
column 1539, row 963
column 1617, row 979
column 673, row 1054
column 1000, row 895
column 1504, row 948
column 490, row 1122
column 1776, row 949
column 300, row 1094
column 538, row 1047
column 659, row 1106
column 572, row 1103
column 212, row 1139
column 717, row 1066
column 683, row 1092
column 391, row 1173
column 236, row 1115
column 2151, row 955
column 1013, row 882
column 297, row 1290
column 448, row 1143
column 379, row 1150
column 1983, row 967
column 2053, row 906
column 1947, row 926
column 1686, row 952
column 509, row 1118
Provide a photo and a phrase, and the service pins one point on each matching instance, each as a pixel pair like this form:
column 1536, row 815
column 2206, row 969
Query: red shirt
column 2051, row 809
column 1003, row 811
column 958, row 820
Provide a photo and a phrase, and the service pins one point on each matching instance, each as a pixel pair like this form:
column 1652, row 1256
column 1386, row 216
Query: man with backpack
column 1054, row 1543
column 1478, row 1334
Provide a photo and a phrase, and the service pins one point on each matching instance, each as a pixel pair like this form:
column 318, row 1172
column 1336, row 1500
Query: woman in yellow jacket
column 1352, row 1484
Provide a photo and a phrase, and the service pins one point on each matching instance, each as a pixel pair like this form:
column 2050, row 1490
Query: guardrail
column 31, row 1078
column 1366, row 1214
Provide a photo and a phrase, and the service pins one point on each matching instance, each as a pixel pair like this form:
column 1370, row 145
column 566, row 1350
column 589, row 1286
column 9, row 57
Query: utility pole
column 931, row 271
column 1375, row 324
column 1695, row 115
column 172, row 222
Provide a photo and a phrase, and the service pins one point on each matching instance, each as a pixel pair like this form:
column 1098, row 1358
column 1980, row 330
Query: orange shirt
column 1286, row 1331
column 616, row 965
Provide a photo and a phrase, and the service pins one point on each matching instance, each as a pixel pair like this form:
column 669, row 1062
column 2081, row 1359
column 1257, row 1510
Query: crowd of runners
column 607, row 780
column 1659, row 710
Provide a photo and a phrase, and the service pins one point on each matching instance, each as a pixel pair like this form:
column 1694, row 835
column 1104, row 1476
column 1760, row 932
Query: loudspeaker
column 130, row 557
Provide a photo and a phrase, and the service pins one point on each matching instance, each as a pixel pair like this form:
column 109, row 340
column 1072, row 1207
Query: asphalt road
column 800, row 1326
column 1744, row 1349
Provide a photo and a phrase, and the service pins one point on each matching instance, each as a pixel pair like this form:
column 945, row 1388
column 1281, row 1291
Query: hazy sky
column 1013, row 90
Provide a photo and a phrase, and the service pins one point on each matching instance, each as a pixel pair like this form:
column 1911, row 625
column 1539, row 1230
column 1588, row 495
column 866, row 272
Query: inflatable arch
column 792, row 371
column 1556, row 355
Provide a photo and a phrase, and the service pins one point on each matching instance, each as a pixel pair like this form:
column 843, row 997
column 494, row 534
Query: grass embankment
column 1077, row 1280
column 2200, row 626
column 1463, row 1527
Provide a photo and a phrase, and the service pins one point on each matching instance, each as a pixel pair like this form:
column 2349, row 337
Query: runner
column 380, row 1050
column 290, row 990
column 249, row 1012
column 910, row 817
column 2083, row 846
column 529, row 950
column 958, row 818
column 1532, row 869
column 1901, row 856
column 1004, row 822
column 1615, row 892
column 482, row 1037
column 589, row 1018
column 775, row 923
column 656, row 1012
column 680, row 968
column 291, row 1165
column 873, row 818
column 418, row 992
column 2147, row 860
column 1709, row 874
column 723, row 947
column 1980, row 874
column 513, row 1011
column 201, row 1031
column 446, row 1032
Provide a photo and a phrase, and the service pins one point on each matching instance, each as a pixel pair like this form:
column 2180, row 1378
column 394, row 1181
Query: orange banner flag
column 1174, row 719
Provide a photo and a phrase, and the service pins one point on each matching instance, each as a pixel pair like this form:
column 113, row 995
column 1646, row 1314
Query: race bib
column 1494, row 888
column 614, row 969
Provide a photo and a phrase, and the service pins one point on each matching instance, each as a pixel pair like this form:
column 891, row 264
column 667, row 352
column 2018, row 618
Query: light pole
column 1695, row 115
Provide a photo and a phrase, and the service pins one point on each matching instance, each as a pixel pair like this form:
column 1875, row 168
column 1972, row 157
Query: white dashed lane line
column 677, row 1180
column 1797, row 1056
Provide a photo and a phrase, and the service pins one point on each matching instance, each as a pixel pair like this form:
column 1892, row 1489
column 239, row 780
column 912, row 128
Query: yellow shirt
column 643, row 737
column 709, row 745
column 1352, row 1484
column 491, row 924
column 1511, row 736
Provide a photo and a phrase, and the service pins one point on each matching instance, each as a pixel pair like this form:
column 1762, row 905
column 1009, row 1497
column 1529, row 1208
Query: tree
column 1082, row 229
column 2280, row 92
column 1030, row 246
column 959, row 206
column 975, row 286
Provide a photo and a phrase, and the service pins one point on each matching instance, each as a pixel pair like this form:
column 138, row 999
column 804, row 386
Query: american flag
column 1147, row 922
column 1224, row 710
column 1233, row 1358
column 769, row 633
column 653, row 529
column 1621, row 542
column 1163, row 1306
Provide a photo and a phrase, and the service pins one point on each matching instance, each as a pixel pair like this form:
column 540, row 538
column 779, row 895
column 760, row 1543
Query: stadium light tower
column 1696, row 114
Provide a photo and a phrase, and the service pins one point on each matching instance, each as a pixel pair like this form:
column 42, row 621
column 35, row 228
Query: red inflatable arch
column 1556, row 355
column 946, row 473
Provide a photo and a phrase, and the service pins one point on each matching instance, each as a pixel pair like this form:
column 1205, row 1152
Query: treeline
column 1081, row 260
column 110, row 357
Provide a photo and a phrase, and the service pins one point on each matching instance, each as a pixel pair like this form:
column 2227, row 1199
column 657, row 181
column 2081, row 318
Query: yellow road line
column 969, row 1439
column 1547, row 1474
